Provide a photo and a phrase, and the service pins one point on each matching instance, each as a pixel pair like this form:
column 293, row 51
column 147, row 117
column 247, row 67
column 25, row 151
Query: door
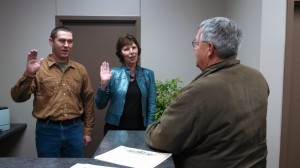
column 290, row 137
column 94, row 42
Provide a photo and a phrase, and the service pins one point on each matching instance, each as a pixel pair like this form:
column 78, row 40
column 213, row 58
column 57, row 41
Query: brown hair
column 124, row 40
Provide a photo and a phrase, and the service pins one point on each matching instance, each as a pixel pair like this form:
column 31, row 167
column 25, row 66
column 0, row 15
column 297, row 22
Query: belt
column 64, row 122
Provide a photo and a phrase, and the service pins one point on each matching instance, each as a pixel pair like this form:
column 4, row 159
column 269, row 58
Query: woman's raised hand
column 105, row 73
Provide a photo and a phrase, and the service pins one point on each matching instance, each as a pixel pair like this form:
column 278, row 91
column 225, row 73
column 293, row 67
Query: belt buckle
column 67, row 122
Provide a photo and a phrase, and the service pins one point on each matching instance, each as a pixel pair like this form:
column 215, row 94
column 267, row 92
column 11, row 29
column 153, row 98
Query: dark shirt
column 132, row 115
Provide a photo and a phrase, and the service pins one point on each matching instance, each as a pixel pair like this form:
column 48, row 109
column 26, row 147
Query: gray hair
column 224, row 34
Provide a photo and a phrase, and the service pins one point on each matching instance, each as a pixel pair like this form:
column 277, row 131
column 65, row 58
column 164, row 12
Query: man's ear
column 211, row 48
column 51, row 41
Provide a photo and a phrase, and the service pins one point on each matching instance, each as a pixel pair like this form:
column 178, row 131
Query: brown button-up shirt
column 59, row 95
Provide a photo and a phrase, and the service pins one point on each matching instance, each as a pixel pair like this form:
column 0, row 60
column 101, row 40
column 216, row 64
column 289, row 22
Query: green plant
column 166, row 92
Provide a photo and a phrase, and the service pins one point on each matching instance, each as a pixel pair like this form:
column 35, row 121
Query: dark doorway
column 94, row 42
column 290, row 137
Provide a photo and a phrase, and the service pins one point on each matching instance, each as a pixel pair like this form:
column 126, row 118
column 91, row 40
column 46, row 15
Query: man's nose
column 66, row 43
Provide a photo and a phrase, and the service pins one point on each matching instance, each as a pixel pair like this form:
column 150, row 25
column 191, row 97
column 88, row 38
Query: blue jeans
column 56, row 140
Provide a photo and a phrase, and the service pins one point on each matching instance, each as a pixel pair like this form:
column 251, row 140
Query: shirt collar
column 220, row 65
column 51, row 61
column 124, row 66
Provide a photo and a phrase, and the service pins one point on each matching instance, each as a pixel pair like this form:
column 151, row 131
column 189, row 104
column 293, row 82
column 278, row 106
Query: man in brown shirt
column 63, row 98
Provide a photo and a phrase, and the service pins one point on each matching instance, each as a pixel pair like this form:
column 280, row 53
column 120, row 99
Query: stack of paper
column 84, row 165
column 133, row 157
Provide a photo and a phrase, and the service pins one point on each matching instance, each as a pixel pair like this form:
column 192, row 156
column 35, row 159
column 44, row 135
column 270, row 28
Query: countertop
column 113, row 139
column 14, row 129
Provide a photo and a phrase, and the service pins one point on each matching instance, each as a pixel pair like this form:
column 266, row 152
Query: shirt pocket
column 48, row 87
column 74, row 84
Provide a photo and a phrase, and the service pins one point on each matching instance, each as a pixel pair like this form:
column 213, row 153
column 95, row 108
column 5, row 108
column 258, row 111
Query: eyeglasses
column 196, row 43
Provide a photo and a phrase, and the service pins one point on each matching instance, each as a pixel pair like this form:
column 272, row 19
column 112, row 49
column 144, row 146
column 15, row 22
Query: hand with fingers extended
column 105, row 74
column 33, row 64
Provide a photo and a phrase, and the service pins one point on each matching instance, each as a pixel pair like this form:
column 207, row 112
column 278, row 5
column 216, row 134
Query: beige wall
column 272, row 50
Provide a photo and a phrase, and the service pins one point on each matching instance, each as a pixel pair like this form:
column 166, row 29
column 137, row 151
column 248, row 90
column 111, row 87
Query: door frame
column 135, row 20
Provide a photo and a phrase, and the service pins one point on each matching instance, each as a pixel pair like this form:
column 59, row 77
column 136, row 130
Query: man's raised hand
column 33, row 64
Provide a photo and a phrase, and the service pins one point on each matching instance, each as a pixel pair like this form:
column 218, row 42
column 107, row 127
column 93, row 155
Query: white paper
column 133, row 157
column 83, row 165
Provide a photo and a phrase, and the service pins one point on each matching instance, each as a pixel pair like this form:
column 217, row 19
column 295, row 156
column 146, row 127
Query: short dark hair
column 59, row 28
column 124, row 40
